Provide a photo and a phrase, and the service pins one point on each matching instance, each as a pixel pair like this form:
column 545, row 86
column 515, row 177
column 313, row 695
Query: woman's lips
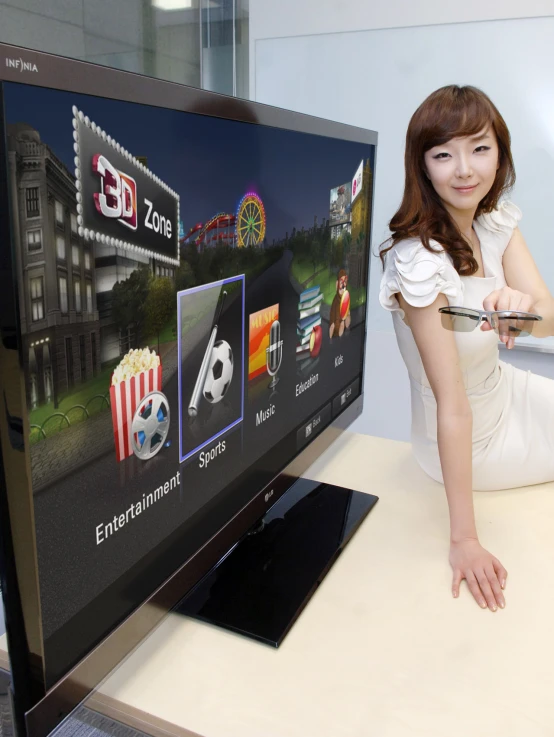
column 465, row 190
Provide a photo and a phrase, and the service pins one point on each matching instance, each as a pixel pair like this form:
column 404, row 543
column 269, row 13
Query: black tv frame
column 38, row 712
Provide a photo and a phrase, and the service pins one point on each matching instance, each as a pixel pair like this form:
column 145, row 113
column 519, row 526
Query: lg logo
column 23, row 66
column 268, row 495
column 118, row 195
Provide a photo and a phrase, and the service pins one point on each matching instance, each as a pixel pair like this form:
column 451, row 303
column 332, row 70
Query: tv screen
column 188, row 292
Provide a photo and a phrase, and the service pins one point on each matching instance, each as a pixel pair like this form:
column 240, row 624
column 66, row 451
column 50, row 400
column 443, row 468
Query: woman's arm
column 439, row 354
column 523, row 276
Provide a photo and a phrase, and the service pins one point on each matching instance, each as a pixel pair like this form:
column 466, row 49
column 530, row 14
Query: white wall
column 290, row 18
column 270, row 19
column 376, row 78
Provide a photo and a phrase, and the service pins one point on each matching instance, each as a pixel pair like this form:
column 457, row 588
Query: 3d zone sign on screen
column 120, row 201
column 118, row 195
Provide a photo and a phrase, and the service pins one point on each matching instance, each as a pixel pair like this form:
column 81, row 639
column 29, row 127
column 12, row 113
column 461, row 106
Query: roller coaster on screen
column 245, row 228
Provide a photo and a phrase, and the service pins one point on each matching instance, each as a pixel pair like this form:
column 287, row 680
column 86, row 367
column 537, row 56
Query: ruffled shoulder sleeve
column 499, row 225
column 419, row 276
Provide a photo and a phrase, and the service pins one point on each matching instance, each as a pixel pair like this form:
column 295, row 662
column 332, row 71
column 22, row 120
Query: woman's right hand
column 484, row 574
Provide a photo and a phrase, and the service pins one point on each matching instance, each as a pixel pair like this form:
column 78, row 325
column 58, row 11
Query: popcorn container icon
column 125, row 397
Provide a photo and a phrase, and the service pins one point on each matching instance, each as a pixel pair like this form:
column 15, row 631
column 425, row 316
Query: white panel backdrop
column 375, row 79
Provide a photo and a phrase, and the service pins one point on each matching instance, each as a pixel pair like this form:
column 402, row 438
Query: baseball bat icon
column 201, row 378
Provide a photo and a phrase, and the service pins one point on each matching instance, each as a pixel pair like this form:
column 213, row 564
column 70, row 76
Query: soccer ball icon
column 220, row 372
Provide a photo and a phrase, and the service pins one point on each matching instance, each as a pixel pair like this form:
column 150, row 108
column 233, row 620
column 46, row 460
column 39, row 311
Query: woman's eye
column 482, row 148
column 442, row 155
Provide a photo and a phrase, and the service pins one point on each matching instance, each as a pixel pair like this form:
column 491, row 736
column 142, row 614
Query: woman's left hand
column 507, row 299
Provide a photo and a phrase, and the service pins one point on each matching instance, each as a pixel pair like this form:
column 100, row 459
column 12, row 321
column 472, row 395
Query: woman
column 477, row 423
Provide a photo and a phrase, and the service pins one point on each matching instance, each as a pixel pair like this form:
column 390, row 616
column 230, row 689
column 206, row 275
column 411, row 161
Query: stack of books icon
column 308, row 319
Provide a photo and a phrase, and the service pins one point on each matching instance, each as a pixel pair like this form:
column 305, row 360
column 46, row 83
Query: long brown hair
column 447, row 113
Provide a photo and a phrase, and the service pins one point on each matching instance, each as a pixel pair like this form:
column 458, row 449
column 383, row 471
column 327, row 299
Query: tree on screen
column 128, row 301
column 160, row 306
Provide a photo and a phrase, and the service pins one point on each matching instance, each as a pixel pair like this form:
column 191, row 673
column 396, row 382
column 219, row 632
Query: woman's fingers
column 516, row 306
column 501, row 572
column 504, row 300
column 495, row 586
column 456, row 583
column 485, row 587
column 515, row 300
column 475, row 589
column 489, row 303
column 484, row 574
column 508, row 300
column 526, row 304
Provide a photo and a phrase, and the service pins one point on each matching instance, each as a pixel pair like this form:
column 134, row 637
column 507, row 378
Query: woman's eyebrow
column 480, row 137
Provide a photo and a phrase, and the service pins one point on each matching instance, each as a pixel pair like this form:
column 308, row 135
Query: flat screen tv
column 183, row 295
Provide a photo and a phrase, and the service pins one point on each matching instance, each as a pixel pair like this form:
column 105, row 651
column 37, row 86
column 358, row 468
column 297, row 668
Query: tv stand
column 260, row 587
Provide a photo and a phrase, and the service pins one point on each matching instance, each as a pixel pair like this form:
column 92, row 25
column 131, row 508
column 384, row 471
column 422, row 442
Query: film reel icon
column 150, row 425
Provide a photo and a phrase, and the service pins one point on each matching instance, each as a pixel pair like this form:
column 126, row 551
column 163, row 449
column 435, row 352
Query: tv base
column 260, row 587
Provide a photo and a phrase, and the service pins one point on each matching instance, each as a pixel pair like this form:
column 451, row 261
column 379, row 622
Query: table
column 382, row 648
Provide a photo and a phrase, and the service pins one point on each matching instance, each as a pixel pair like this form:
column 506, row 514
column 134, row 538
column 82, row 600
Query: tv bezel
column 42, row 711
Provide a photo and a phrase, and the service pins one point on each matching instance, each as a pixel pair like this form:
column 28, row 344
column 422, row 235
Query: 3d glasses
column 505, row 323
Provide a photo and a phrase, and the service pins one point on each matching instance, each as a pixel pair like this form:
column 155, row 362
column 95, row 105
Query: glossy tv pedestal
column 260, row 587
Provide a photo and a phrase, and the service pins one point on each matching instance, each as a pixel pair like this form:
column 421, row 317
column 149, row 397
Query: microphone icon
column 274, row 353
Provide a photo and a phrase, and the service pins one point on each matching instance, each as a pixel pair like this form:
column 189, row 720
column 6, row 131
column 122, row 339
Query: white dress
column 513, row 410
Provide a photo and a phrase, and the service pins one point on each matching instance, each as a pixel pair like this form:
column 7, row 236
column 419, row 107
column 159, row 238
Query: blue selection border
column 202, row 287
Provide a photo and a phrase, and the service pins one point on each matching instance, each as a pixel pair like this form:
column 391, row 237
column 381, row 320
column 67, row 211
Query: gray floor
column 86, row 723
column 83, row 723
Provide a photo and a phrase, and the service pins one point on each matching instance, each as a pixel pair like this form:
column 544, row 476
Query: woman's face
column 462, row 170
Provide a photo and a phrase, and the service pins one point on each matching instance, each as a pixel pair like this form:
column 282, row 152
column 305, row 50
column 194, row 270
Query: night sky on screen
column 211, row 163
